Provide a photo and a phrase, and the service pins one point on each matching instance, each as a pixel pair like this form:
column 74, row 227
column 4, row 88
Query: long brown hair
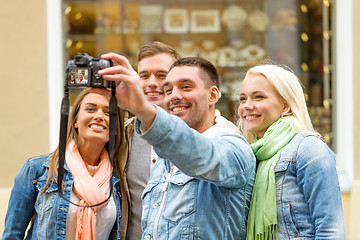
column 72, row 134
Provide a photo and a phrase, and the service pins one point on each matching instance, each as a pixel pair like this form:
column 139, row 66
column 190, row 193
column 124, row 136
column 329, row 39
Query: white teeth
column 153, row 94
column 97, row 127
column 176, row 109
column 250, row 117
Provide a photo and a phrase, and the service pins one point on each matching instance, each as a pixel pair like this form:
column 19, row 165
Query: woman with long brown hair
column 88, row 176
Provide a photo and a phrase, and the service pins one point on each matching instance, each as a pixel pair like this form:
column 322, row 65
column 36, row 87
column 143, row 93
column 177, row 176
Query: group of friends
column 180, row 171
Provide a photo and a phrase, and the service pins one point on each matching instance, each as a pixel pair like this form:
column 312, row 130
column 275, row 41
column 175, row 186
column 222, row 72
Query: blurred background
column 318, row 39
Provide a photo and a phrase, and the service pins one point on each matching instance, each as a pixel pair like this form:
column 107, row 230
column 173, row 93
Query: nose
column 153, row 82
column 246, row 105
column 175, row 95
column 99, row 115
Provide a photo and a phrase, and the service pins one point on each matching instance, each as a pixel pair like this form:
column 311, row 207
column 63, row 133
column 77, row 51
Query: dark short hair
column 155, row 47
column 201, row 63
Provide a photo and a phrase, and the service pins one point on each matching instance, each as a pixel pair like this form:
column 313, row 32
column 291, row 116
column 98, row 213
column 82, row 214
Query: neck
column 206, row 125
column 91, row 152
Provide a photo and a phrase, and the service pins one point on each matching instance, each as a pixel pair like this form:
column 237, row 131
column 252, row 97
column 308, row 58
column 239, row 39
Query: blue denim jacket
column 208, row 196
column 308, row 194
column 50, row 210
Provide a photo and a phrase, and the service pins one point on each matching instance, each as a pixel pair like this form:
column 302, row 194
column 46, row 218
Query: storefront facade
column 315, row 38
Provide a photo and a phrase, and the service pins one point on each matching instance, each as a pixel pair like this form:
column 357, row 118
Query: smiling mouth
column 153, row 94
column 178, row 109
column 251, row 117
column 97, row 127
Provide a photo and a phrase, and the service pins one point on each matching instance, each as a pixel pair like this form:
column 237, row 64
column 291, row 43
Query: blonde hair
column 72, row 134
column 289, row 88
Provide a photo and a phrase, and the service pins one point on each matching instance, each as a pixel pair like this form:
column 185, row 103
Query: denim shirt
column 207, row 195
column 308, row 194
column 49, row 210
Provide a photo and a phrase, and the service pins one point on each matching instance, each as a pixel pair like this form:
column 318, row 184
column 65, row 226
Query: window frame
column 344, row 100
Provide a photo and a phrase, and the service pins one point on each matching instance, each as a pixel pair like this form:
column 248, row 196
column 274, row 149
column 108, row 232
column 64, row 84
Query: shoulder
column 304, row 140
column 129, row 122
column 306, row 148
column 312, row 141
column 227, row 129
column 34, row 167
column 226, row 126
column 38, row 165
column 40, row 161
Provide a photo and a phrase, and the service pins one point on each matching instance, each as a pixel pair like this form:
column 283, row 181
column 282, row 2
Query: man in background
column 154, row 61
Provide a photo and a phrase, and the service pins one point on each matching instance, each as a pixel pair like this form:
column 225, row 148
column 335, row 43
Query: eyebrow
column 93, row 104
column 160, row 71
column 255, row 92
column 165, row 84
column 181, row 81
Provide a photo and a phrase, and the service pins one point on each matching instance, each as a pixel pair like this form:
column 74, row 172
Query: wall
column 353, row 216
column 24, row 93
column 24, row 98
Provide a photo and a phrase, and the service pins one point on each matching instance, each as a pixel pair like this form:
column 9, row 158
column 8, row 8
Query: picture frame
column 205, row 21
column 176, row 20
column 151, row 18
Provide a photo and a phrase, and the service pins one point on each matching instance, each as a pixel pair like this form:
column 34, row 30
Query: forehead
column 188, row 73
column 256, row 82
column 157, row 61
column 94, row 98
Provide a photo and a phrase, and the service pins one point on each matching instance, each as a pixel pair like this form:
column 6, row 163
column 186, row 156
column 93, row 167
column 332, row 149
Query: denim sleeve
column 225, row 160
column 21, row 204
column 318, row 180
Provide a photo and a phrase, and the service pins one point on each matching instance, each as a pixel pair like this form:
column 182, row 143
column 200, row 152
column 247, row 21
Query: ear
column 286, row 108
column 214, row 95
column 75, row 125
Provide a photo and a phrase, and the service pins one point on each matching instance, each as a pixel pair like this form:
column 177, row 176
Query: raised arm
column 225, row 160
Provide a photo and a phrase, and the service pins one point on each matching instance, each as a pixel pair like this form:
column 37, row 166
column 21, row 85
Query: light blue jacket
column 49, row 210
column 308, row 193
column 208, row 196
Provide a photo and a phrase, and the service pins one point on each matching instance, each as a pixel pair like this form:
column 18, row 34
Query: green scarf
column 262, row 217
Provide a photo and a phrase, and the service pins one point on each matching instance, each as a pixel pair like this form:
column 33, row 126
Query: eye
column 259, row 97
column 186, row 87
column 167, row 91
column 144, row 76
column 90, row 109
column 162, row 76
column 242, row 99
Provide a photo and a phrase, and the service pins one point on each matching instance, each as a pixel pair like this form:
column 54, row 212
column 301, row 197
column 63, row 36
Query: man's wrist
column 147, row 116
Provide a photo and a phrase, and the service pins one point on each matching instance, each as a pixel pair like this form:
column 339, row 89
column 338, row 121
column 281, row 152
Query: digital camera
column 82, row 71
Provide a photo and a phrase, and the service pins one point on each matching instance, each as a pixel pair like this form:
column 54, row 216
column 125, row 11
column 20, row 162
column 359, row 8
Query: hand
column 129, row 92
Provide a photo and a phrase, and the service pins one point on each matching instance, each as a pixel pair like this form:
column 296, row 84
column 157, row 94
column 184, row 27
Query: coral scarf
column 91, row 190
column 262, row 219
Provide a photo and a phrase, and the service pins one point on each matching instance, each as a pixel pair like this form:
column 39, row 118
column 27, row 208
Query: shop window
column 233, row 35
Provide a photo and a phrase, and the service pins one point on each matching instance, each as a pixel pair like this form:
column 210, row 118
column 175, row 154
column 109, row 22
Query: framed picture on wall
column 151, row 18
column 205, row 21
column 176, row 20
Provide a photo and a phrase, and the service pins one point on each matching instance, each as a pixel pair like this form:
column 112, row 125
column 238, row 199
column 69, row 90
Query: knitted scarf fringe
column 270, row 234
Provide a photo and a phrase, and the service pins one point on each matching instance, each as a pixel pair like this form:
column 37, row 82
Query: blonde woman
column 296, row 192
column 87, row 177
